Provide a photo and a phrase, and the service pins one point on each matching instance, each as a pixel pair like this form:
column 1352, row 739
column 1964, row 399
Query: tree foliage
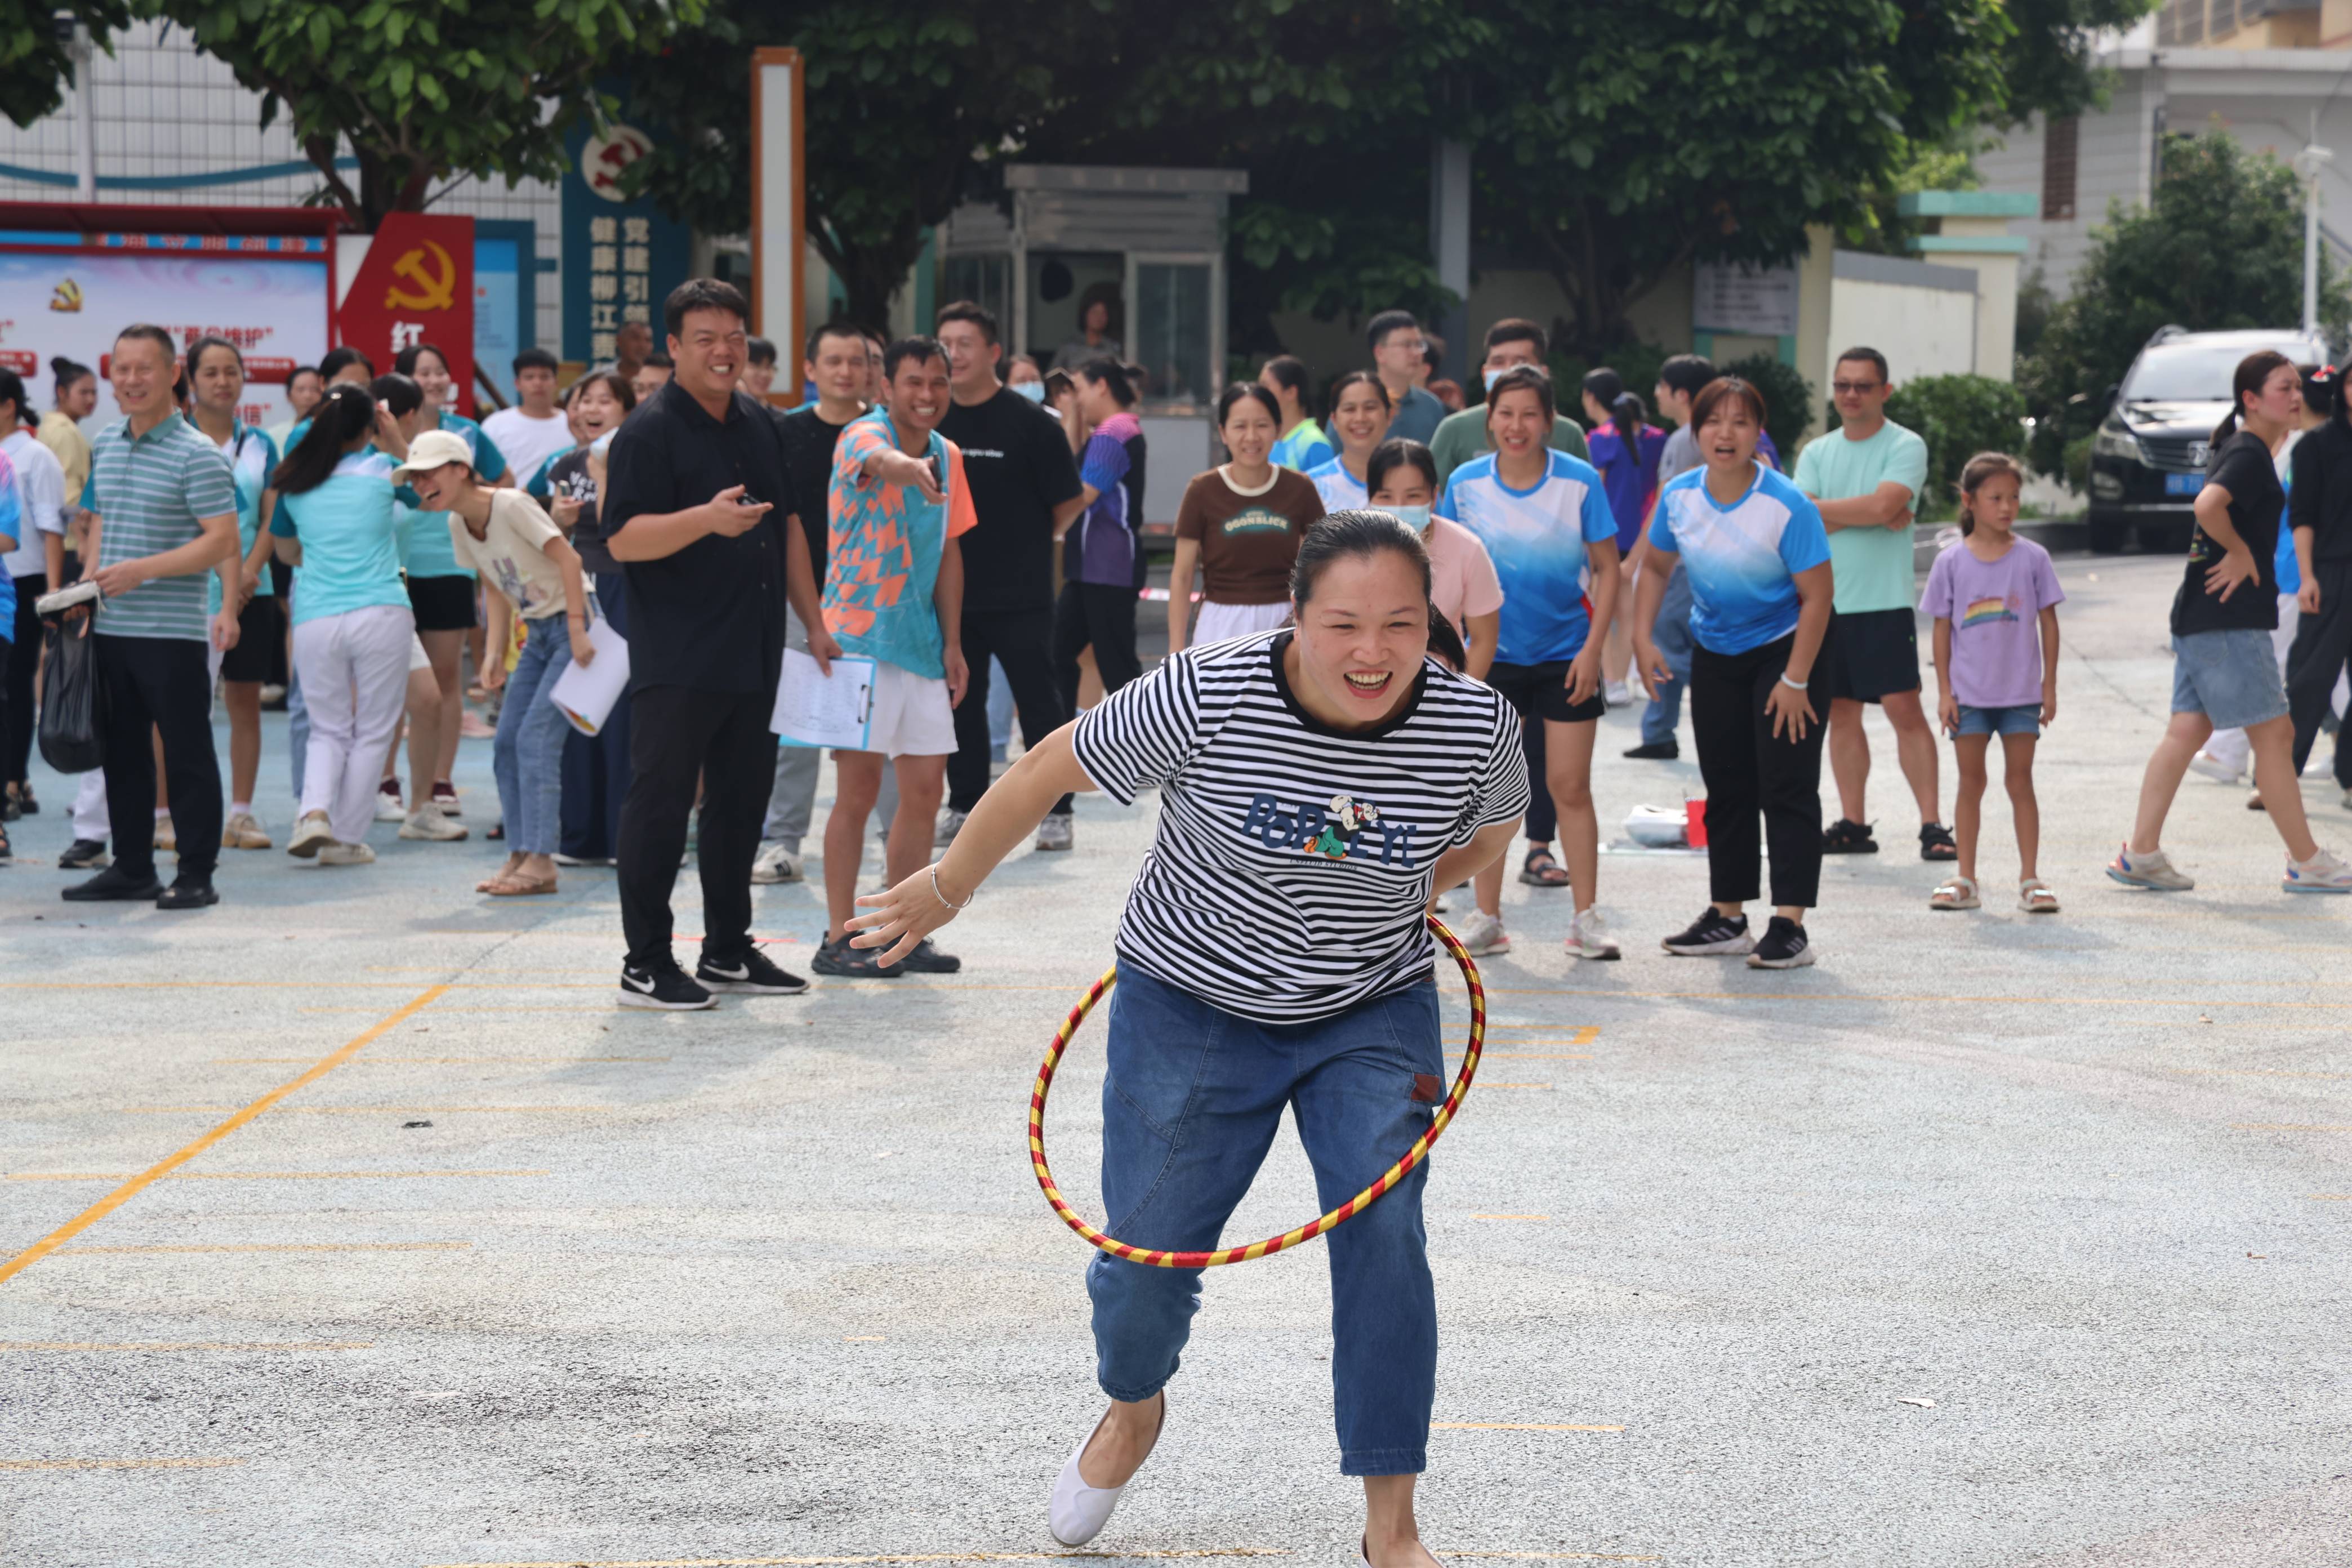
column 2219, row 246
column 1958, row 416
column 34, row 65
column 421, row 91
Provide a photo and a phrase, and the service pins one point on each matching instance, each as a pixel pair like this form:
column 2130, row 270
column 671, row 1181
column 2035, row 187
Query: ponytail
column 2253, row 370
column 345, row 412
column 1445, row 642
column 1626, row 413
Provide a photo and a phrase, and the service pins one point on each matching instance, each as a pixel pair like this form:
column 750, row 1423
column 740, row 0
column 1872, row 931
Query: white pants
column 354, row 671
column 1219, row 622
column 89, row 820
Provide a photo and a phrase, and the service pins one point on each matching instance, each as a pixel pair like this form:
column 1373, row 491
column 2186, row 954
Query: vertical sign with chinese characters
column 620, row 257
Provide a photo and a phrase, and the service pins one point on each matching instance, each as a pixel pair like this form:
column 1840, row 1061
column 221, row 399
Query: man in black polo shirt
column 1024, row 485
column 697, row 508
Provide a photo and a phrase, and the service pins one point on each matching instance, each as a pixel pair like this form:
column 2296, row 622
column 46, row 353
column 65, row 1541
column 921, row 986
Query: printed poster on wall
column 417, row 286
column 71, row 302
column 1736, row 297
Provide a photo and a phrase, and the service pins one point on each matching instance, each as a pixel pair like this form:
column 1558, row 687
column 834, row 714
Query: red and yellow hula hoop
column 1314, row 1228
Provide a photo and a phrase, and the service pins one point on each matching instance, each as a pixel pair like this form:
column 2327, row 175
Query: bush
column 1788, row 400
column 1958, row 416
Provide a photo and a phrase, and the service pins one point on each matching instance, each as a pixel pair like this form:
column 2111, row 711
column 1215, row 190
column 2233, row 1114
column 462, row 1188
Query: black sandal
column 1550, row 874
column 1935, row 842
column 1844, row 838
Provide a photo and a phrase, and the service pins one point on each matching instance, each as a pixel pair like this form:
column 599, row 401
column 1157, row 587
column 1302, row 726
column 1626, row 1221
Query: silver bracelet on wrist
column 1792, row 685
column 943, row 897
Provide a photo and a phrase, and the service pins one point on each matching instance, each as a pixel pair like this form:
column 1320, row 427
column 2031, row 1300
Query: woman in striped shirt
column 1313, row 780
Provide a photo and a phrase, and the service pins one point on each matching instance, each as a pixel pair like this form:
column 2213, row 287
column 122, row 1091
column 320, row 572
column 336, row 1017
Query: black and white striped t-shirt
column 1293, row 860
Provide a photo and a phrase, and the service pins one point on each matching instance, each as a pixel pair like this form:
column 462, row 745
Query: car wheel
column 2108, row 535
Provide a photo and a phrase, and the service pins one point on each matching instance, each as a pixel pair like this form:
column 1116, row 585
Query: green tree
column 2220, row 245
column 33, row 67
column 422, row 91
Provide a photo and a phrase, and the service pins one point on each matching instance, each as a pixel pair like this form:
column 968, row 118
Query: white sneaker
column 1483, row 933
column 340, row 854
column 1617, row 694
column 2205, row 764
column 2154, row 870
column 1054, row 832
column 778, row 863
column 426, row 823
column 310, row 834
column 950, row 823
column 2323, row 873
column 388, row 807
column 1588, row 936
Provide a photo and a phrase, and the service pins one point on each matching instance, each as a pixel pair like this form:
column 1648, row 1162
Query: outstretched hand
column 903, row 916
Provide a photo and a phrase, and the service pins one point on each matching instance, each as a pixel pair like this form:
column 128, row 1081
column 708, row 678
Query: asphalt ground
column 1994, row 1240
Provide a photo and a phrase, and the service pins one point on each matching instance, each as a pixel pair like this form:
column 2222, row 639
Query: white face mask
column 1035, row 391
column 1415, row 518
column 1491, row 376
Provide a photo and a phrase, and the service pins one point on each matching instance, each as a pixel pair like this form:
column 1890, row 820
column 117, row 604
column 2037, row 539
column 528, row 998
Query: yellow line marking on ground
column 1207, row 1555
column 1512, row 1426
column 186, row 1346
column 2333, row 1197
column 1585, row 1034
column 607, row 1009
column 117, row 1464
column 863, row 1339
column 277, row 1247
column 432, row 1061
column 255, row 1175
column 1510, row 1217
column 1557, row 1556
column 170, row 1163
column 387, row 1110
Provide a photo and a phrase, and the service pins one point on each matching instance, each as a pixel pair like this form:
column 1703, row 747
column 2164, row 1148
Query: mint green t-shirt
column 1872, row 565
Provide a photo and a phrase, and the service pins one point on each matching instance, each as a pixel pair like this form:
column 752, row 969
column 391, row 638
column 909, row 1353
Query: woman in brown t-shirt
column 1241, row 524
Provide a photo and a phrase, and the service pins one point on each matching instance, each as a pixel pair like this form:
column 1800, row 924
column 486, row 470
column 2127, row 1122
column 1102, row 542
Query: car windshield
column 2184, row 373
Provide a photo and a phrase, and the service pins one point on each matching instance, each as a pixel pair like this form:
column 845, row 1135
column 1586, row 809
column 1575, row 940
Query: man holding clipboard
column 697, row 510
column 894, row 594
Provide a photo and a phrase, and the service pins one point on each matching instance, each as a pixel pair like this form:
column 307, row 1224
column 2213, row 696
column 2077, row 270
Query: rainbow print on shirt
column 1984, row 612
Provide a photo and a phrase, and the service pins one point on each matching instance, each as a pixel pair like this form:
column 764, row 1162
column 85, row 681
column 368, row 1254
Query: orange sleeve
column 962, row 518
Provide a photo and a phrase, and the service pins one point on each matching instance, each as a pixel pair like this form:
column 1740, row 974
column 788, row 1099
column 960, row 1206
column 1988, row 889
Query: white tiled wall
column 164, row 108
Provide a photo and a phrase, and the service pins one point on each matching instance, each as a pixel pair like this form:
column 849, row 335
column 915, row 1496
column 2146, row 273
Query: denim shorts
column 2024, row 720
column 2231, row 677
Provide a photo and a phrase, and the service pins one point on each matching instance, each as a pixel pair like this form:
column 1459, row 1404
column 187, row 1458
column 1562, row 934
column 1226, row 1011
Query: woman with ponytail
column 1626, row 448
column 336, row 525
column 2224, row 673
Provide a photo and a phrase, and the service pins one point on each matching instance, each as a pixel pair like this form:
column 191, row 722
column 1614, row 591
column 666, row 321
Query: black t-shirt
column 809, row 442
column 710, row 618
column 2241, row 465
column 2322, row 498
column 1018, row 463
column 568, row 476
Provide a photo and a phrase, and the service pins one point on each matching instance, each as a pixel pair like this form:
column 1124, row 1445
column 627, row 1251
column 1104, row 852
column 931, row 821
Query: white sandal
column 1078, row 1511
column 1955, row 894
column 2034, row 896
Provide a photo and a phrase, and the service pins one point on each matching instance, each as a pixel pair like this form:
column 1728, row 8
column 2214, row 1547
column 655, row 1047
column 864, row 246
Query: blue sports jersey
column 1742, row 559
column 1538, row 539
column 1340, row 490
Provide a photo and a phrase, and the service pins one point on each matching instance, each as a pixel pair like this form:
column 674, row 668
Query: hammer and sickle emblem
column 432, row 293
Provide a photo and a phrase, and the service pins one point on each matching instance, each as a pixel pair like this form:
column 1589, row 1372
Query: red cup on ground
column 1695, row 823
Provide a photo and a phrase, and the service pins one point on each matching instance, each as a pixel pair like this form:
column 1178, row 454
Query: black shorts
column 258, row 630
column 1540, row 691
column 1871, row 654
column 443, row 604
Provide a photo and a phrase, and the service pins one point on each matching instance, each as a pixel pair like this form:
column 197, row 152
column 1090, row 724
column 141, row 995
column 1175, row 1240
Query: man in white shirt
column 534, row 430
column 37, row 563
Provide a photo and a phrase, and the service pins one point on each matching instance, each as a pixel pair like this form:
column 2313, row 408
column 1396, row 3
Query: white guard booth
column 1149, row 243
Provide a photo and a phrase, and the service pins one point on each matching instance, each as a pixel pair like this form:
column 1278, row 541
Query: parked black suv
column 2147, row 458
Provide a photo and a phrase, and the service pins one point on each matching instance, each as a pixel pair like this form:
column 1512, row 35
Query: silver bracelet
column 943, row 897
column 1793, row 684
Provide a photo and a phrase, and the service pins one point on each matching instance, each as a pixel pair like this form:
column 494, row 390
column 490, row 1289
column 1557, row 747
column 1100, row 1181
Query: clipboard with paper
column 832, row 710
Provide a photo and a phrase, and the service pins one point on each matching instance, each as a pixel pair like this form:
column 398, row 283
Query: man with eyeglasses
column 1868, row 475
column 1399, row 354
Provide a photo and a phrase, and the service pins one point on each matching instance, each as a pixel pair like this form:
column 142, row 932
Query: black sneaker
column 84, row 855
column 1713, row 935
column 114, row 884
column 27, row 806
column 1656, row 752
column 663, row 988
column 1783, row 947
column 1844, row 838
column 847, row 962
column 187, row 893
column 929, row 960
column 750, row 974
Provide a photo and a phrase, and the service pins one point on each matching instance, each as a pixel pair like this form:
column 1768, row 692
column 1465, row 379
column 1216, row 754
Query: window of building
column 2059, row 139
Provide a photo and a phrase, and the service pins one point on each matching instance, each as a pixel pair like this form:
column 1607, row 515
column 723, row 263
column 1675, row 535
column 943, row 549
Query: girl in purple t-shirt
column 1995, row 599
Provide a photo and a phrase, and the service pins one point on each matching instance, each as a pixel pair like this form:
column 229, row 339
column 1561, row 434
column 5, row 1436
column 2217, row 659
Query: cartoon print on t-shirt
column 1346, row 829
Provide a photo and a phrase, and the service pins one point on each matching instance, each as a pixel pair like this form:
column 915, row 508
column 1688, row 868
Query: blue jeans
column 527, row 756
column 1672, row 635
column 1191, row 1103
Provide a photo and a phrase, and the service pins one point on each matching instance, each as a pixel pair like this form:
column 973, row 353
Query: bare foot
column 1401, row 1554
column 1123, row 1441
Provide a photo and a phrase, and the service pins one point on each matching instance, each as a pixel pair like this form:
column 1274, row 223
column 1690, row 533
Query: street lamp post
column 2308, row 162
